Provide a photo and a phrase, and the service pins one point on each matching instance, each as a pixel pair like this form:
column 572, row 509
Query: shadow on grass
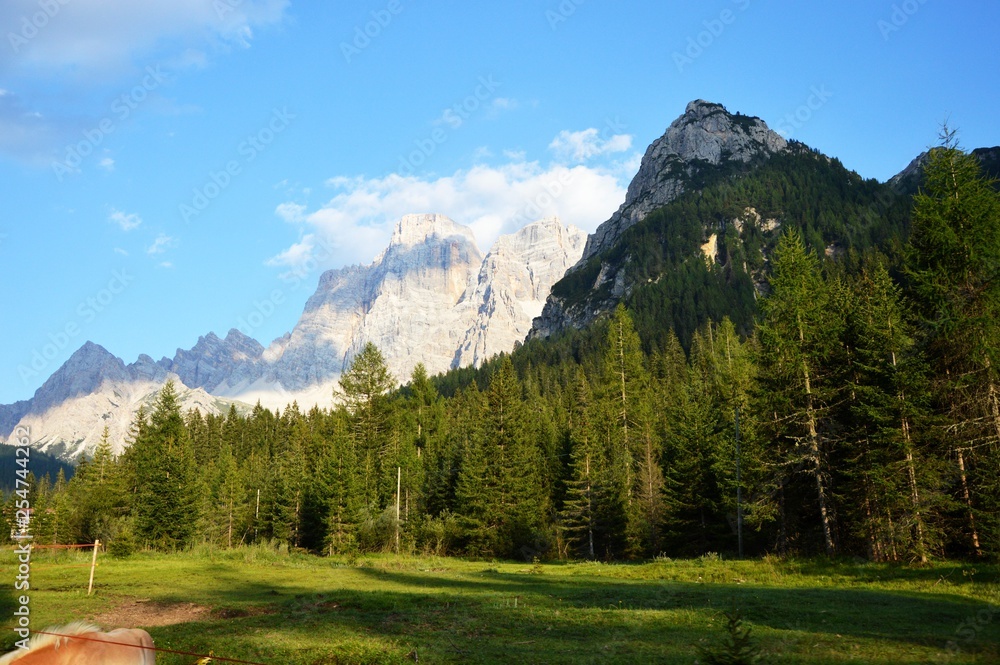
column 924, row 619
column 8, row 605
column 492, row 617
column 956, row 573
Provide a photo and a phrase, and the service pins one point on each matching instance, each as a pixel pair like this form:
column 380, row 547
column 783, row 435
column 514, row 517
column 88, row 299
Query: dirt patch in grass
column 144, row 613
column 242, row 612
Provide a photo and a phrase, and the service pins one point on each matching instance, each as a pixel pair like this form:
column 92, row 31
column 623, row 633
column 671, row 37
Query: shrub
column 737, row 648
column 122, row 545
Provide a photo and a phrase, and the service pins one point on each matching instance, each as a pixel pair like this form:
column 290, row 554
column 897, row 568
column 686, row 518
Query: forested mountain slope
column 704, row 255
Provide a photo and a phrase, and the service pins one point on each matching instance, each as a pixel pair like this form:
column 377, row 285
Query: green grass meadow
column 265, row 606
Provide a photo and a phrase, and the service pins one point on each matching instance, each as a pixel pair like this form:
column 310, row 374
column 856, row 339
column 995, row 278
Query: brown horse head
column 84, row 644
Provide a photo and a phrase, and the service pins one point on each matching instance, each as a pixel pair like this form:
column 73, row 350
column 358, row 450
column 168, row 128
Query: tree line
column 863, row 414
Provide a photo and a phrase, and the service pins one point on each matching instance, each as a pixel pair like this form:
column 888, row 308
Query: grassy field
column 260, row 605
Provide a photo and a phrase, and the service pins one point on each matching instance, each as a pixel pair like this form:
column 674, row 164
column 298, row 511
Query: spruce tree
column 162, row 462
column 476, row 489
column 953, row 268
column 341, row 515
column 61, row 505
column 98, row 493
column 893, row 467
column 798, row 334
column 501, row 491
column 633, row 447
column 587, row 513
column 363, row 389
column 691, row 492
column 230, row 500
column 290, row 478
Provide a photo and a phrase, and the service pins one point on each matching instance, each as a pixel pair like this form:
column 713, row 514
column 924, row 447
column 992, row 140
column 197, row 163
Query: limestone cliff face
column 405, row 302
column 513, row 283
column 706, row 135
column 431, row 297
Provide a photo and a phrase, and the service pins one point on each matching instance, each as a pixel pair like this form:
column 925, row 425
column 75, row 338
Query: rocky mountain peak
column 706, row 136
column 83, row 373
column 431, row 249
column 235, row 338
column 412, row 230
column 431, row 296
column 513, row 282
column 708, row 132
column 549, row 227
column 89, row 352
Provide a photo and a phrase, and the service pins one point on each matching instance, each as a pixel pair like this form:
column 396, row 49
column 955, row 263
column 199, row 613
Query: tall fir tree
column 501, row 490
column 363, row 389
column 162, row 461
column 424, row 421
column 590, row 508
column 633, row 447
column 953, row 268
column 799, row 335
column 98, row 494
column 695, row 461
column 890, row 464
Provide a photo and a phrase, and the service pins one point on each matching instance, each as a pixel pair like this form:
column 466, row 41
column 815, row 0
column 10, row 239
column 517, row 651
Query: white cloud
column 162, row 243
column 292, row 213
column 108, row 164
column 481, row 153
column 356, row 224
column 578, row 147
column 84, row 38
column 122, row 252
column 125, row 221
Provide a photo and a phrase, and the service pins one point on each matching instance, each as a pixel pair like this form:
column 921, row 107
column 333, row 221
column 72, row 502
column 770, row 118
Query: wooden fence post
column 93, row 564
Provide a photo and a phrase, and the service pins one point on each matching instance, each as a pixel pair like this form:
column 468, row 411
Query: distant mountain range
column 690, row 243
column 93, row 390
column 431, row 297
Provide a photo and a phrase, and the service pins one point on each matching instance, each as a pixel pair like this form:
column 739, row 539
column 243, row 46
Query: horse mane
column 41, row 641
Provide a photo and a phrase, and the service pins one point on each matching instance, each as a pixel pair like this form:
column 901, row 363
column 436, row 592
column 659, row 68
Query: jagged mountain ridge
column 213, row 361
column 432, row 296
column 93, row 389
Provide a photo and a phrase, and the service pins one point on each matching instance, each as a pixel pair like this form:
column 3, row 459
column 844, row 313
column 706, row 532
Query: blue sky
column 174, row 167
